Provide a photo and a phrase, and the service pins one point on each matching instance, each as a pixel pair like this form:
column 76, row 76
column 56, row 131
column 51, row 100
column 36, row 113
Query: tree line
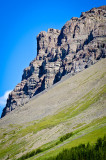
column 96, row 151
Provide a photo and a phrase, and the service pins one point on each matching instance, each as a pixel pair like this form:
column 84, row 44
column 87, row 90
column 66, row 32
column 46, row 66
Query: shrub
column 66, row 136
column 84, row 152
column 30, row 154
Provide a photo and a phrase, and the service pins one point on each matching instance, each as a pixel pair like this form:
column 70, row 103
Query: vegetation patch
column 9, row 138
column 66, row 136
column 78, row 125
column 39, row 150
column 30, row 154
column 82, row 152
column 84, row 136
column 67, row 113
column 12, row 149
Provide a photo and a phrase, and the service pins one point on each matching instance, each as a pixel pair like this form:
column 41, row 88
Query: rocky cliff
column 79, row 44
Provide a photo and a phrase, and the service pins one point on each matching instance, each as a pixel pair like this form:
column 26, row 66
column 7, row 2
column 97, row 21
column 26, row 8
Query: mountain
column 75, row 105
column 79, row 44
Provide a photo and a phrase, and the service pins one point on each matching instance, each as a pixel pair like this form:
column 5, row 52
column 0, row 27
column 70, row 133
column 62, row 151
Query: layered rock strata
column 79, row 44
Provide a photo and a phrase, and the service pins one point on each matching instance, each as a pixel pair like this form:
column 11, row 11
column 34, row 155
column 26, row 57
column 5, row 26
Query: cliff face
column 80, row 43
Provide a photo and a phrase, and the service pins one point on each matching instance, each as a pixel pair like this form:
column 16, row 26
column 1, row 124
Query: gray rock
column 80, row 43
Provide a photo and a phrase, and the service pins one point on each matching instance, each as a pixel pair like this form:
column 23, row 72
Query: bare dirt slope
column 66, row 92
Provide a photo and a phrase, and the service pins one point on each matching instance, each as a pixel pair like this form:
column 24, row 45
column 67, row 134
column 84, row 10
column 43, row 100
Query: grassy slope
column 72, row 142
column 80, row 109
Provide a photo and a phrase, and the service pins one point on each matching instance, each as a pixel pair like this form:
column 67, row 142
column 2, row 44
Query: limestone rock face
column 80, row 43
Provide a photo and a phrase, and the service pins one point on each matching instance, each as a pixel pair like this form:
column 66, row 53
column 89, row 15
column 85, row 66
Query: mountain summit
column 79, row 44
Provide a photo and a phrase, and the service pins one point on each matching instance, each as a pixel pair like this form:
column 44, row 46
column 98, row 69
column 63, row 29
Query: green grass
column 9, row 138
column 42, row 148
column 95, row 125
column 34, row 152
column 67, row 113
column 9, row 145
column 30, row 154
column 12, row 149
column 91, row 137
column 15, row 148
column 82, row 152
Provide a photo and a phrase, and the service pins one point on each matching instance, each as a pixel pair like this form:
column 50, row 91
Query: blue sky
column 20, row 23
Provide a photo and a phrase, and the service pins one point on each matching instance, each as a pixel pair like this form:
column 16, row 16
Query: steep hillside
column 75, row 105
column 79, row 44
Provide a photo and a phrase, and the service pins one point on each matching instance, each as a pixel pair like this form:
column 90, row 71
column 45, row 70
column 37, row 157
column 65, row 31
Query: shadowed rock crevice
column 89, row 39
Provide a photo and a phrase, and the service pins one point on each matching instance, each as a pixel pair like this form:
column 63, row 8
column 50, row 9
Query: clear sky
column 20, row 23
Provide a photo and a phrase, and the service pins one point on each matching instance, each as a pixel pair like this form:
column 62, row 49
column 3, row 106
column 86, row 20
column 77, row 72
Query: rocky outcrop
column 80, row 43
